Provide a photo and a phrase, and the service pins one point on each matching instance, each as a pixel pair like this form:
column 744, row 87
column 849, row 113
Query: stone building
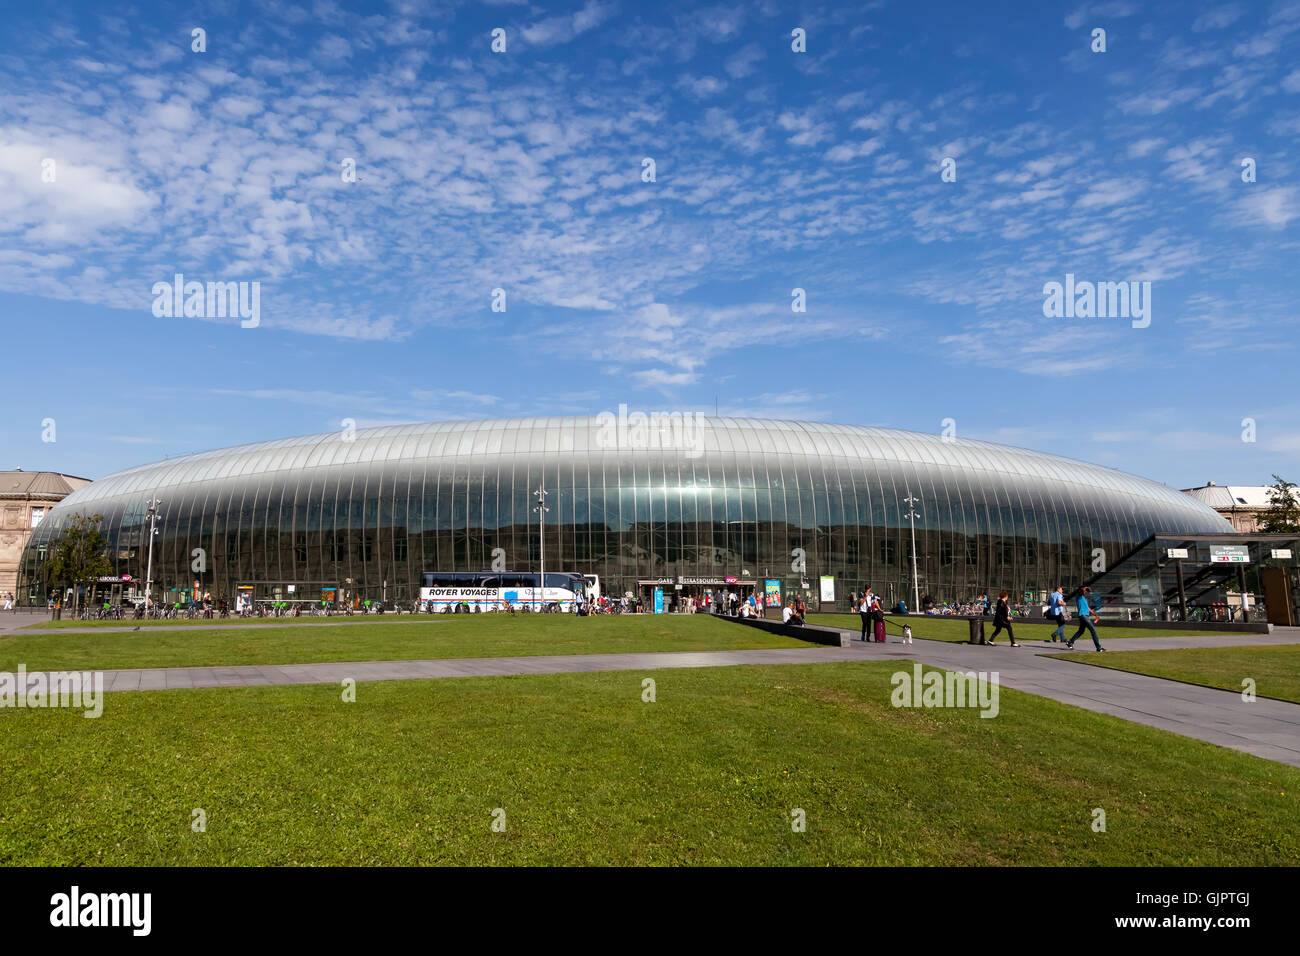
column 26, row 497
column 1243, row 505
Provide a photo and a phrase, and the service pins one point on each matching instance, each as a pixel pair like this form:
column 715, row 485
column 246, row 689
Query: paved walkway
column 168, row 678
column 1265, row 728
column 16, row 619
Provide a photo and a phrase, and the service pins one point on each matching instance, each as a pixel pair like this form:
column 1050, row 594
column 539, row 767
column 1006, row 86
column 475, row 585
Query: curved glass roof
column 588, row 436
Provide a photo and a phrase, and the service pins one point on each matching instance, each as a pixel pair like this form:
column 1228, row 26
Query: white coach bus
column 493, row 590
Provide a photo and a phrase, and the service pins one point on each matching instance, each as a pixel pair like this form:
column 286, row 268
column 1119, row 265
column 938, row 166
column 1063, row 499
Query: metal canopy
column 1155, row 581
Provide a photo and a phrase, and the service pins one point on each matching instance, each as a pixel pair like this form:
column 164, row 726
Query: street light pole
column 148, row 574
column 916, row 586
column 541, row 509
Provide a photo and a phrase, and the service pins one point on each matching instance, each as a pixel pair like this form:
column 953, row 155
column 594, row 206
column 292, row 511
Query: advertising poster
column 659, row 600
column 828, row 588
column 773, row 593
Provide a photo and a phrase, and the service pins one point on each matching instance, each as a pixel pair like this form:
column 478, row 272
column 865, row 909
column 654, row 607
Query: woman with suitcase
column 878, row 616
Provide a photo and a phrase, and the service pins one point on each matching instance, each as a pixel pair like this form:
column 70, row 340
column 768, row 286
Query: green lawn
column 67, row 623
column 948, row 629
column 1275, row 670
column 433, row 636
column 587, row 773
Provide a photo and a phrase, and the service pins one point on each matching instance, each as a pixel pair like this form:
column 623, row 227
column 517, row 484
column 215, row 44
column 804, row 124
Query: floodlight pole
column 541, row 509
column 148, row 574
column 916, row 586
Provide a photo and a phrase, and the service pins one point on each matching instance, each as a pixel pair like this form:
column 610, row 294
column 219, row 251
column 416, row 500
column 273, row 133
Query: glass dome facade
column 367, row 512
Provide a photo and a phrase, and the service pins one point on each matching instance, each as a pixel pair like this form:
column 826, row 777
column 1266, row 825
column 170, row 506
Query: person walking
column 1086, row 620
column 1002, row 620
column 1056, row 611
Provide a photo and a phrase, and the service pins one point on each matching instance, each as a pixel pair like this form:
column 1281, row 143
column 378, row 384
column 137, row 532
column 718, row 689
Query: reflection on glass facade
column 367, row 515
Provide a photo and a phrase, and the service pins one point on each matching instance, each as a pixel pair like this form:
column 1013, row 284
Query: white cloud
column 744, row 62
column 563, row 29
column 1218, row 18
column 1273, row 207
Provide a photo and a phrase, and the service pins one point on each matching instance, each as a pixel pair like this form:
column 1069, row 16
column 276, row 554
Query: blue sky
column 774, row 170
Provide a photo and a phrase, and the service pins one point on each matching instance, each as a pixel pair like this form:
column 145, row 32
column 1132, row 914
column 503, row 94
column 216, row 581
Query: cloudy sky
column 128, row 156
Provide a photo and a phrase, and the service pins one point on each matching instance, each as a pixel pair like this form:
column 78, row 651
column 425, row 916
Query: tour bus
column 490, row 590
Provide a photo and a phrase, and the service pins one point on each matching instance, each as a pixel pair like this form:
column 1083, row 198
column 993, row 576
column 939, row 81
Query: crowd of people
column 867, row 605
column 871, row 609
column 1057, row 610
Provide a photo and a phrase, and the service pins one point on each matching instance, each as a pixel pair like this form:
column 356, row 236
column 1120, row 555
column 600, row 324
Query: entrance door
column 1277, row 595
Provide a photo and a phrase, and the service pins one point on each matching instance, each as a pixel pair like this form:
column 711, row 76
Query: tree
column 79, row 555
column 1283, row 517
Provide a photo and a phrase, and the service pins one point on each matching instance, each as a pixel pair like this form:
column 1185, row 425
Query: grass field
column 425, row 637
column 588, row 773
column 67, row 624
column 947, row 629
column 1275, row 670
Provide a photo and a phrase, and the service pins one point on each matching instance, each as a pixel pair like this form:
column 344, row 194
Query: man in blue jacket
column 1056, row 609
column 1085, row 621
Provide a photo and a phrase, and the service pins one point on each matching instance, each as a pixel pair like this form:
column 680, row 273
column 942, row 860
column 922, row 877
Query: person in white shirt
column 865, row 607
column 786, row 614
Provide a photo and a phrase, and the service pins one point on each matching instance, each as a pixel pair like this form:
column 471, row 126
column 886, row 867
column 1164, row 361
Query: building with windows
column 25, row 499
column 642, row 502
column 1242, row 505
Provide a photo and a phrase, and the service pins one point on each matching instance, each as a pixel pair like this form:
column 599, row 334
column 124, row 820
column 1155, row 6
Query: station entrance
column 1226, row 578
column 674, row 592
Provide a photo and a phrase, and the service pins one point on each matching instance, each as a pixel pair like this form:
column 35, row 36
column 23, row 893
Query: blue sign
column 659, row 600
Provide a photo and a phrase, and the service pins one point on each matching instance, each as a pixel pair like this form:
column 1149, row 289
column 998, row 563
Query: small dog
column 907, row 634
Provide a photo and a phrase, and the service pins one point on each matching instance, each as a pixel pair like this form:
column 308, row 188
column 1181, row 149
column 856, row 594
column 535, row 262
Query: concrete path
column 16, row 619
column 1265, row 728
column 168, row 678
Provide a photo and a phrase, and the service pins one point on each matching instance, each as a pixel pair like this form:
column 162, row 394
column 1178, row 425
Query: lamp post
column 148, row 574
column 541, row 509
column 916, row 586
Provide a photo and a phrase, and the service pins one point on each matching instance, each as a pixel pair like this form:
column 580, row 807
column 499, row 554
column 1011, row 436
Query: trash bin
column 977, row 630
